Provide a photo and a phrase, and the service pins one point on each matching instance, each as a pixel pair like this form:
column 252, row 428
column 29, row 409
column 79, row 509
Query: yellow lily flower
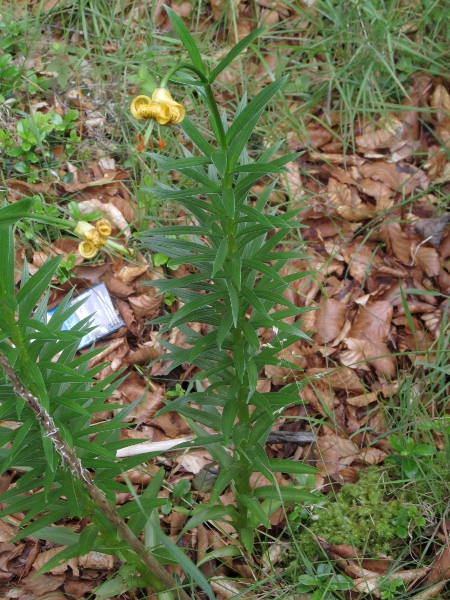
column 95, row 237
column 161, row 107
column 87, row 249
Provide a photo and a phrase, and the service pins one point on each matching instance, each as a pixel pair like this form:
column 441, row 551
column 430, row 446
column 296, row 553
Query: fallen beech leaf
column 363, row 400
column 42, row 584
column 361, row 260
column 329, row 320
column 96, row 560
column 432, row 229
column 128, row 274
column 225, row 588
column 109, row 210
column 384, row 134
column 440, row 567
column 335, row 452
column 145, row 305
column 7, row 531
column 106, row 352
column 440, row 101
column 371, row 456
column 172, row 424
column 428, row 260
column 193, row 461
column 341, row 378
column 44, row 557
column 144, row 354
column 398, row 242
column 116, row 288
column 371, row 584
column 349, row 475
column 339, row 550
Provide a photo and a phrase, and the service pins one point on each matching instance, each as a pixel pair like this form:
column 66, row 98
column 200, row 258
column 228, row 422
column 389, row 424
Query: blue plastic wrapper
column 104, row 317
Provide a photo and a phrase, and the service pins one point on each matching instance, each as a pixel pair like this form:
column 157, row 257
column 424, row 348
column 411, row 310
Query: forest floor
column 368, row 105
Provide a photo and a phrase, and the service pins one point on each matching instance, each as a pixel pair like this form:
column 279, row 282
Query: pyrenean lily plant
column 235, row 288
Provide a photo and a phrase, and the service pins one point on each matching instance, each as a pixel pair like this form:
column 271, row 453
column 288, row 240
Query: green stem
column 217, row 120
column 178, row 67
column 209, row 97
column 48, row 220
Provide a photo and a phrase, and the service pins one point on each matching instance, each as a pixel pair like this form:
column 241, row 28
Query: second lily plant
column 235, row 289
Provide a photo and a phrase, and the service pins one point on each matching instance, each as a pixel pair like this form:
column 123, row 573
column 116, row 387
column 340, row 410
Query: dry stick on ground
column 76, row 468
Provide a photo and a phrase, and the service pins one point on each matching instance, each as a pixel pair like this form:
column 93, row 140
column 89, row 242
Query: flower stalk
column 96, row 237
column 235, row 289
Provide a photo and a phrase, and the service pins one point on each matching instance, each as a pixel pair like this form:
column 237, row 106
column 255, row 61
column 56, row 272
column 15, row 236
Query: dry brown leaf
column 370, row 584
column 145, row 305
column 340, row 379
column 109, row 349
column 440, row 101
column 7, row 531
column 42, row 584
column 128, row 274
column 96, row 560
column 427, row 259
column 172, row 424
column 330, row 319
column 361, row 259
column 44, row 557
column 193, row 461
column 116, row 288
column 433, row 229
column 387, row 132
column 319, row 396
column 335, row 452
column 397, row 242
column 372, row 321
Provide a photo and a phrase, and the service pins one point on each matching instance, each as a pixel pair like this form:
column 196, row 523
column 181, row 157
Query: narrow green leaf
column 193, row 133
column 219, row 159
column 288, row 493
column 283, row 465
column 224, row 328
column 262, row 168
column 7, row 262
column 220, row 257
column 183, row 163
column 229, row 414
column 234, row 52
column 212, row 513
column 185, row 563
column 9, row 215
column 255, row 106
column 186, row 39
column 234, row 301
column 253, row 300
column 256, row 511
column 236, row 270
column 223, row 480
column 182, row 316
column 88, row 537
column 32, row 291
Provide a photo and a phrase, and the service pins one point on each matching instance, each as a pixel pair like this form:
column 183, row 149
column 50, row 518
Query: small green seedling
column 407, row 518
column 410, row 455
column 29, row 149
column 324, row 583
column 391, row 589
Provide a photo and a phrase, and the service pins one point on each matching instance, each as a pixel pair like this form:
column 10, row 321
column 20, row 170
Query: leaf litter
column 375, row 231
